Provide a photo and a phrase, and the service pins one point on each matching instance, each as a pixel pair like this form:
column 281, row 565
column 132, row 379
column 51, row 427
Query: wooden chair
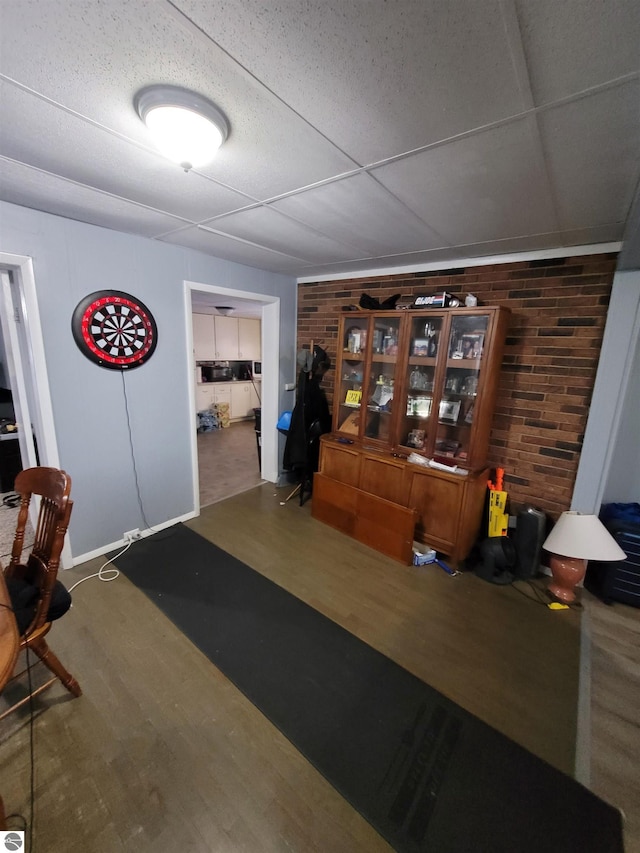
column 37, row 596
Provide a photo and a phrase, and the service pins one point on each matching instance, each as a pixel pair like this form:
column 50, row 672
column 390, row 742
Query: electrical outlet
column 130, row 535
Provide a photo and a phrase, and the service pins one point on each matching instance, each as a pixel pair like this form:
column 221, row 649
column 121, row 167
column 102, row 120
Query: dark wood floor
column 163, row 753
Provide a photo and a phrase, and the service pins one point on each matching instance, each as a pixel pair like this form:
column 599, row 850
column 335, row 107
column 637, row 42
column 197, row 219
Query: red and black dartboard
column 114, row 329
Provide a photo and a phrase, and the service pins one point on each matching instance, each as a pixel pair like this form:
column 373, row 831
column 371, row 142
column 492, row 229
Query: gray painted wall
column 72, row 259
column 623, row 483
column 610, row 441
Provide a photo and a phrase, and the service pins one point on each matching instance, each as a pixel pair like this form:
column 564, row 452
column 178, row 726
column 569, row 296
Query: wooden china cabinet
column 411, row 382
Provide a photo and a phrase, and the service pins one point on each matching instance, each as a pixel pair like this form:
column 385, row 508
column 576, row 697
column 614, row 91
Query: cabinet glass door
column 424, row 344
column 381, row 374
column 348, row 397
column 460, row 387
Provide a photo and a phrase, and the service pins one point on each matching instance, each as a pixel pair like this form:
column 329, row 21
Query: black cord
column 133, row 460
column 536, row 599
column 133, row 455
column 543, row 596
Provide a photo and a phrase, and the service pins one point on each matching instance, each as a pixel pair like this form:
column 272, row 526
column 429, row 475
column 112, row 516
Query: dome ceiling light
column 225, row 310
column 185, row 127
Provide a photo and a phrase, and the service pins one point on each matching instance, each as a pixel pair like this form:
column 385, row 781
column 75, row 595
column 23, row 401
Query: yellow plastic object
column 555, row 605
column 498, row 518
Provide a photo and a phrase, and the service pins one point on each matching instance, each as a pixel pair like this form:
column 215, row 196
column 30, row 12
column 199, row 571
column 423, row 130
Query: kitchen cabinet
column 226, row 334
column 218, row 338
column 208, row 394
column 244, row 399
column 422, row 382
column 249, row 339
column 204, row 343
column 204, row 397
column 237, row 339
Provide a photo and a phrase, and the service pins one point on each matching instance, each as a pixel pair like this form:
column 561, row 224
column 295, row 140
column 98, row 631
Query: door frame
column 27, row 367
column 270, row 343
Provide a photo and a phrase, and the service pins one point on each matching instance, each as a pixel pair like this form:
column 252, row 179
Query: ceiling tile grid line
column 97, row 190
column 419, row 130
column 254, row 201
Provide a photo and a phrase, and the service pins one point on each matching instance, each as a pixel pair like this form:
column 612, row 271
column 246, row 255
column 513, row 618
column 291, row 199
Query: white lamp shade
column 583, row 537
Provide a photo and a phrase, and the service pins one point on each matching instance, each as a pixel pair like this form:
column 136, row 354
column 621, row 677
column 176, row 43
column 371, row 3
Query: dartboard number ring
column 114, row 329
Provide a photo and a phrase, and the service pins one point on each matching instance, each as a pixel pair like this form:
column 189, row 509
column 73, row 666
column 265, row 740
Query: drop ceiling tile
column 94, row 57
column 86, row 154
column 593, row 150
column 573, row 45
column 484, row 187
column 28, row 187
column 224, row 247
column 268, row 228
column 378, row 79
column 360, row 212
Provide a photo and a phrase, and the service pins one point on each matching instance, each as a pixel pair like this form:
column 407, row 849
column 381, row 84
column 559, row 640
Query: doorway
column 227, row 461
column 25, row 369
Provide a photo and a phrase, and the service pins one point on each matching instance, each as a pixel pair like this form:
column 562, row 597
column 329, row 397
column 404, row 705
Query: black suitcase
column 618, row 581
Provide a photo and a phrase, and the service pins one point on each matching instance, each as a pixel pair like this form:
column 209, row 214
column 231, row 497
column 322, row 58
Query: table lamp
column 576, row 538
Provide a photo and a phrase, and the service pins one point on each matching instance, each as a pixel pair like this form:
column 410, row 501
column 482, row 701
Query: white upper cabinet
column 217, row 338
column 226, row 338
column 249, row 340
column 204, row 343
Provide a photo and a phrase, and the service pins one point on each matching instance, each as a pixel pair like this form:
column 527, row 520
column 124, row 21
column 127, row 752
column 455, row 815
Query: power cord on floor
column 101, row 574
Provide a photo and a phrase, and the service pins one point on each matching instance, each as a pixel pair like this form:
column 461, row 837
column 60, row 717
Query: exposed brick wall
column 558, row 313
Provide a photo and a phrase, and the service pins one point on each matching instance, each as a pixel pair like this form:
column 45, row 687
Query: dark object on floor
column 620, row 580
column 530, row 533
column 36, row 594
column 426, row 774
column 497, row 560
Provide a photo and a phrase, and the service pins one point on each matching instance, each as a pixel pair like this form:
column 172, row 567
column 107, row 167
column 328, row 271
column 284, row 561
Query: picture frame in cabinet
column 471, row 345
column 353, row 398
column 449, row 411
column 416, row 439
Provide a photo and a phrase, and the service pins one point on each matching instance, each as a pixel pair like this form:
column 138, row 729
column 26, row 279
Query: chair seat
column 24, row 599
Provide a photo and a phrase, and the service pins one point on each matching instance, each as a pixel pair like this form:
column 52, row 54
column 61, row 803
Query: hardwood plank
column 163, row 752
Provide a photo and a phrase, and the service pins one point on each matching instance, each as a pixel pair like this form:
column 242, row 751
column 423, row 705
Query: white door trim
column 270, row 376
column 26, row 344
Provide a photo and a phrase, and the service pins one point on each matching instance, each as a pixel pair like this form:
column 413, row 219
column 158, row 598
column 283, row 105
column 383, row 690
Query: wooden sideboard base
column 448, row 507
column 381, row 524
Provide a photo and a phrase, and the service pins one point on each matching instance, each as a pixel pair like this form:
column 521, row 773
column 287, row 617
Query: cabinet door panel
column 249, row 339
column 340, row 463
column 384, row 478
column 438, row 502
column 204, row 344
column 204, row 398
column 226, row 338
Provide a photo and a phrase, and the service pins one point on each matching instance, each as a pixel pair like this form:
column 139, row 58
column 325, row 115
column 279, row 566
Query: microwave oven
column 257, row 368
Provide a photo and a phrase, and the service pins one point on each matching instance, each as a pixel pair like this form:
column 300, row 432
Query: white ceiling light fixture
column 185, row 127
column 225, row 310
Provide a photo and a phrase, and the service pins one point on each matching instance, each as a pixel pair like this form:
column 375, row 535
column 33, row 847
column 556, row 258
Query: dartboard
column 114, row 329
